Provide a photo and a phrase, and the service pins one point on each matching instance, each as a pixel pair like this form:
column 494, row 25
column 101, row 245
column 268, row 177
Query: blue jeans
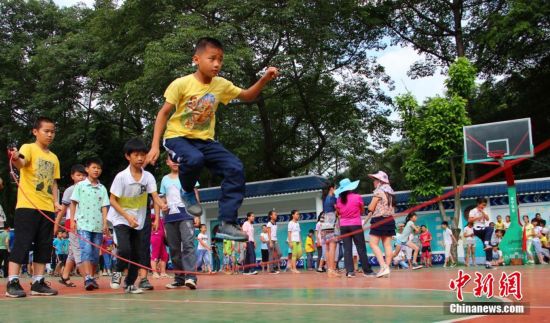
column 107, row 261
column 87, row 251
column 203, row 258
column 193, row 154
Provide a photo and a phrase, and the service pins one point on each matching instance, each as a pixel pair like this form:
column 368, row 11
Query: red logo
column 508, row 284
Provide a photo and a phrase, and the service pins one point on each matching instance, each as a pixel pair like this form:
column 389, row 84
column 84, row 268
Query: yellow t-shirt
column 499, row 226
column 37, row 177
column 196, row 104
column 309, row 245
column 529, row 231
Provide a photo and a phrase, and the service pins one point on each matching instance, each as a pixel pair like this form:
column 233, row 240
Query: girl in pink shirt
column 350, row 208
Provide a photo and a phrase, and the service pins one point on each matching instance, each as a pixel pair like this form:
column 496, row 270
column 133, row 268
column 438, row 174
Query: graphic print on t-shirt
column 44, row 176
column 199, row 112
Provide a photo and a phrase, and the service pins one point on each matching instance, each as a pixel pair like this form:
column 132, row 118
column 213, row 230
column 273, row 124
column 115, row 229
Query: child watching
column 89, row 217
column 448, row 240
column 78, row 174
column 295, row 240
column 470, row 244
column 264, row 238
column 37, row 192
column 189, row 136
column 228, row 260
column 426, row 241
column 310, row 249
column 180, row 229
column 128, row 211
column 250, row 259
column 203, row 250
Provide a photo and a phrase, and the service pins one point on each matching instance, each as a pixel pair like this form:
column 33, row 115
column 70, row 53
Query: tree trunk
column 457, row 7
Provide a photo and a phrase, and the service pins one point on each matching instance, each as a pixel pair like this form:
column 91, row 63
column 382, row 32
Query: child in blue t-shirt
column 179, row 227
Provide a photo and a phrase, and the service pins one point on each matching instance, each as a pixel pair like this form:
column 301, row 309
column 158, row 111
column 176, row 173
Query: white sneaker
column 156, row 275
column 115, row 280
column 133, row 290
column 384, row 272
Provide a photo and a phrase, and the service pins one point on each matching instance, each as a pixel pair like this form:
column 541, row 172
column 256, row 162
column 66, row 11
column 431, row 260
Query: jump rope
column 365, row 226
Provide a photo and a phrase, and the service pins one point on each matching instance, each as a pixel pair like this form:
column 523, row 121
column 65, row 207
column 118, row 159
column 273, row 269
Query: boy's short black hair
column 38, row 122
column 202, row 225
column 311, row 231
column 134, row 145
column 445, row 223
column 78, row 168
column 203, row 42
column 293, row 211
column 423, row 226
column 249, row 214
column 481, row 200
column 94, row 160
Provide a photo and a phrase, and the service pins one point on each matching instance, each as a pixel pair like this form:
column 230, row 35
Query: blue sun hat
column 346, row 185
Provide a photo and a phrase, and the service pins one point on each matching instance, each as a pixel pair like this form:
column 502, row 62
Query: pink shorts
column 158, row 249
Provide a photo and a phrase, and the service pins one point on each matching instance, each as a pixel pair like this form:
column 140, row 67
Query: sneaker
column 231, row 231
column 95, row 284
column 370, row 274
column 320, row 270
column 88, row 284
column 133, row 290
column 489, row 266
column 42, row 288
column 115, row 280
column 191, row 283
column 14, row 289
column 174, row 285
column 145, row 284
column 417, row 266
column 274, row 272
column 452, row 266
column 333, row 273
column 156, row 275
column 192, row 206
column 104, row 273
column 384, row 272
column 350, row 275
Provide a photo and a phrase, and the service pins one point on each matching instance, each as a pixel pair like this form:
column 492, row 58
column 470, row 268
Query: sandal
column 67, row 282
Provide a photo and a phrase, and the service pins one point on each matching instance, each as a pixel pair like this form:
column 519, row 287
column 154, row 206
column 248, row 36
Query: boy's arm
column 158, row 201
column 157, row 214
column 160, row 124
column 55, row 193
column 104, row 215
column 73, row 211
column 132, row 221
column 204, row 244
column 16, row 159
column 58, row 218
column 252, row 92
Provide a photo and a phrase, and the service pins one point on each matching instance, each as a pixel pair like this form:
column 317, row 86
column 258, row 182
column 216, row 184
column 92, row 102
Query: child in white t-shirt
column 295, row 240
column 448, row 240
column 203, row 250
column 470, row 244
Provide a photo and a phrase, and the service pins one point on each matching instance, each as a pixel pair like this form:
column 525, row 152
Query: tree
column 434, row 130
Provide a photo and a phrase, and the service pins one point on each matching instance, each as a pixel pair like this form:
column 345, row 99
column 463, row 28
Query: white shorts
column 447, row 250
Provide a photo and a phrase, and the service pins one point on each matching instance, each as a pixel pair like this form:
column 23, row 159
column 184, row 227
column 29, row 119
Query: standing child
column 159, row 255
column 264, row 238
column 228, row 261
column 61, row 246
column 469, row 240
column 203, row 251
column 274, row 250
column 37, row 192
column 448, row 240
column 403, row 239
column 310, row 249
column 78, row 174
column 250, row 259
column 108, row 246
column 295, row 240
column 180, row 231
column 89, row 218
column 426, row 240
column 189, row 136
column 128, row 211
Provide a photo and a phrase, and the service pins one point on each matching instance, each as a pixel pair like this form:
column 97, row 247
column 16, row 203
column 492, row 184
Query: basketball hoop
column 497, row 155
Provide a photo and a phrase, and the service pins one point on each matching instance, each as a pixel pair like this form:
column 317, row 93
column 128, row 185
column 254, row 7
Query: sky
column 395, row 59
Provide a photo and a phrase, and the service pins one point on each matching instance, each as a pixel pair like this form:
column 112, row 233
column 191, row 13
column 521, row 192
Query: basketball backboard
column 510, row 139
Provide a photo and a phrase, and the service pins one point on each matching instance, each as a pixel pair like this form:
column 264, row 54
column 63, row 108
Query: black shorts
column 145, row 247
column 265, row 255
column 384, row 228
column 426, row 249
column 30, row 226
column 62, row 259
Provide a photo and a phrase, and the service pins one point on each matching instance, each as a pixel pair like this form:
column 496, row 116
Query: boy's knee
column 235, row 169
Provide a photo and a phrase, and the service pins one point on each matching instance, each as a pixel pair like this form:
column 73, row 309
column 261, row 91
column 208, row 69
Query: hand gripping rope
column 481, row 179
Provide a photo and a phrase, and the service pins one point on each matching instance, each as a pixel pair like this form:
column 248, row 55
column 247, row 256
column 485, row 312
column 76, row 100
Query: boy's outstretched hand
column 152, row 156
column 271, row 73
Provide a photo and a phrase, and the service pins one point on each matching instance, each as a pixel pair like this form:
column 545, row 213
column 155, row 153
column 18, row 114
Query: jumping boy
column 481, row 230
column 89, row 218
column 78, row 174
column 37, row 192
column 189, row 136
column 128, row 211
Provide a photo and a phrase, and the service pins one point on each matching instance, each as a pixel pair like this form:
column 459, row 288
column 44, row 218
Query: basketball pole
column 513, row 239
